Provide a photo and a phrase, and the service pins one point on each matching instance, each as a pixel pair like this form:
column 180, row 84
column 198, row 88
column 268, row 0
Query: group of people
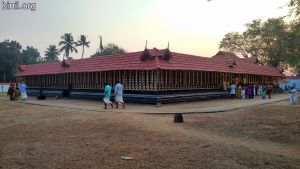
column 118, row 95
column 251, row 90
column 240, row 91
column 15, row 90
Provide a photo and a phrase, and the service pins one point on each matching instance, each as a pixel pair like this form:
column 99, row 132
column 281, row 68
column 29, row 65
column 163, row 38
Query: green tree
column 67, row 44
column 294, row 55
column 266, row 40
column 82, row 42
column 10, row 52
column 111, row 49
column 30, row 55
column 294, row 46
column 236, row 43
column 51, row 54
column 295, row 7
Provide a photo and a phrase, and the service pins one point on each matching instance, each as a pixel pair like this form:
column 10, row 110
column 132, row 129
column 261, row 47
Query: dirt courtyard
column 44, row 137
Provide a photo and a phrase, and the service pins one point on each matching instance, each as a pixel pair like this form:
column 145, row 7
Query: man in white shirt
column 232, row 90
column 119, row 94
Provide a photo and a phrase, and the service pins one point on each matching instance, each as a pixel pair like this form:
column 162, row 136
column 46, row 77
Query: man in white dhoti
column 23, row 89
column 107, row 93
column 119, row 94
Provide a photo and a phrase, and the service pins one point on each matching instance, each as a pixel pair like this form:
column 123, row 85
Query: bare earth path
column 264, row 136
column 207, row 106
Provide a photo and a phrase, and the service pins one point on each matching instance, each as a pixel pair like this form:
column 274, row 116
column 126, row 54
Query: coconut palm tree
column 51, row 54
column 68, row 44
column 82, row 42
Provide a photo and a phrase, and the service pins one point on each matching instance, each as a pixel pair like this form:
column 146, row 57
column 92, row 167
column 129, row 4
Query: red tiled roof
column 133, row 61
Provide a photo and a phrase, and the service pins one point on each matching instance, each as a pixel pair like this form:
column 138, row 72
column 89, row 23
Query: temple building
column 151, row 71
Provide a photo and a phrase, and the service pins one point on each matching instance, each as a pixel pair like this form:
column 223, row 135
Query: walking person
column 119, row 94
column 23, row 89
column 107, row 94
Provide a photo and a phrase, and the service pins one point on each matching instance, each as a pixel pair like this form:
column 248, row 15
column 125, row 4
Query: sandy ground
column 194, row 106
column 266, row 136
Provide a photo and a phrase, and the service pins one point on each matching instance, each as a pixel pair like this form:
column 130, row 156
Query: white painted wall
column 3, row 88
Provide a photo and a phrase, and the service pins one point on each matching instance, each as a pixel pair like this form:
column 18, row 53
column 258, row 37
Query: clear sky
column 190, row 26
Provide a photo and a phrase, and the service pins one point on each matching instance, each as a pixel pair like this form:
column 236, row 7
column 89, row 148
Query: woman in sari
column 10, row 92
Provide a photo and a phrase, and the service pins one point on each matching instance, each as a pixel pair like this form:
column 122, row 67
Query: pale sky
column 190, row 26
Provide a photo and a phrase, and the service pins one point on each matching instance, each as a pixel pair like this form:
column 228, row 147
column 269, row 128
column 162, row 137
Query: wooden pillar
column 130, row 80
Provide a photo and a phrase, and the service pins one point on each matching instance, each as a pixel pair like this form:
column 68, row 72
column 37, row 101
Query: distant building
column 4, row 87
column 293, row 79
column 149, row 71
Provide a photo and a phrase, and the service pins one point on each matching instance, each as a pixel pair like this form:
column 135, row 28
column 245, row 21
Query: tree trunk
column 82, row 51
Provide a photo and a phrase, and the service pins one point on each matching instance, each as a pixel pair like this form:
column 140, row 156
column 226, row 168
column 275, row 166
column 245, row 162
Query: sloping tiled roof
column 152, row 59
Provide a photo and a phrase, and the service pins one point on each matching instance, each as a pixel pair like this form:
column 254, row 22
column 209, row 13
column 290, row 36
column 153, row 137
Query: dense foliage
column 275, row 42
column 110, row 49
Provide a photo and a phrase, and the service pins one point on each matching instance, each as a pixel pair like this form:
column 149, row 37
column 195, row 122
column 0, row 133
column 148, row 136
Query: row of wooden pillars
column 143, row 80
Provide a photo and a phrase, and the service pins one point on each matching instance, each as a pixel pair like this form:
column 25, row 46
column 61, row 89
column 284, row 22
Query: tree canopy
column 110, row 49
column 67, row 44
column 82, row 42
column 30, row 55
column 274, row 42
column 10, row 52
column 51, row 54
column 295, row 7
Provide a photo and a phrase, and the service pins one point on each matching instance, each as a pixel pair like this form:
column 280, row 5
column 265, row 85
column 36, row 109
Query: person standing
column 119, row 94
column 250, row 91
column 270, row 90
column 259, row 89
column 256, row 89
column 239, row 90
column 246, row 92
column 293, row 96
column 10, row 91
column 107, row 94
column 243, row 92
column 232, row 90
column 23, row 89
column 264, row 91
column 16, row 91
